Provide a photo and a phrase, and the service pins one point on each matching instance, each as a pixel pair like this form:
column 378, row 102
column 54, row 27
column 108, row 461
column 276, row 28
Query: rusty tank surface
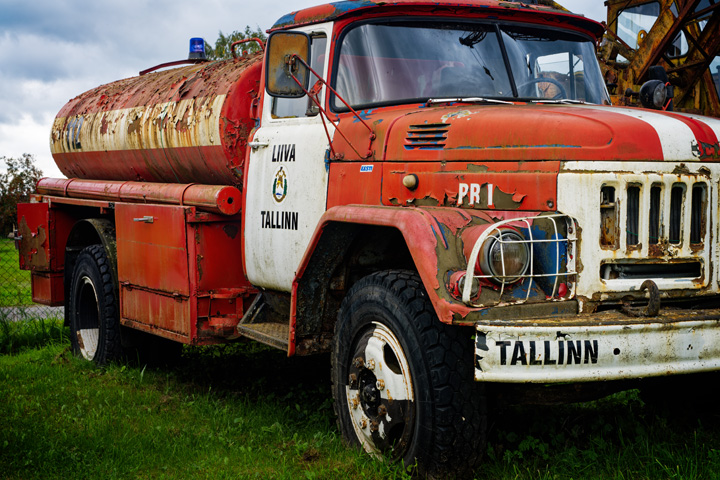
column 184, row 125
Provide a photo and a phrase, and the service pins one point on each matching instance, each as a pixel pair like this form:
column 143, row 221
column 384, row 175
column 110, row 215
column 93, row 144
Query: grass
column 15, row 288
column 217, row 415
column 619, row 437
column 16, row 336
column 245, row 411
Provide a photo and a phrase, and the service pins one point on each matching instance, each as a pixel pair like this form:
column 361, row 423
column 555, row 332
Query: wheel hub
column 380, row 392
column 369, row 394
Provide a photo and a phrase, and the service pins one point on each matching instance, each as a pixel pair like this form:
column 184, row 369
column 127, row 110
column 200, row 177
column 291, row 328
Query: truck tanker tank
column 185, row 125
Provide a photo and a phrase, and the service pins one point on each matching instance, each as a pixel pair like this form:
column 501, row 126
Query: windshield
column 414, row 61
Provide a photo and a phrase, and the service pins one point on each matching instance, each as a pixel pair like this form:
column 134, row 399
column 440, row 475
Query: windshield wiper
column 433, row 101
column 562, row 100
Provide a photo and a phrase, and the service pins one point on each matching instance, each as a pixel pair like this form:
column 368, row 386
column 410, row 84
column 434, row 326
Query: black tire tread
column 460, row 418
column 109, row 342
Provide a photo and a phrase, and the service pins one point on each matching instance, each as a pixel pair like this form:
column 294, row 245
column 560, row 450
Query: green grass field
column 15, row 286
column 245, row 411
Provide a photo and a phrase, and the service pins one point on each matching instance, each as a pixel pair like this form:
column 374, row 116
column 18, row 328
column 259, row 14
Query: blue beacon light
column 197, row 49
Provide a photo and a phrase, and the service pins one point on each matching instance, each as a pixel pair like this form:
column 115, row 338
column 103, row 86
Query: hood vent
column 428, row 136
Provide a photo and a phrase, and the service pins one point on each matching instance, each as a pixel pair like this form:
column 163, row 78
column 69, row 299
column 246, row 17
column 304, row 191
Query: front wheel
column 403, row 381
column 94, row 324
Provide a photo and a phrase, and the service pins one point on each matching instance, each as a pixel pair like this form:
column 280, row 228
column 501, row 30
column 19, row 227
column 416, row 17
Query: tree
column 221, row 50
column 17, row 182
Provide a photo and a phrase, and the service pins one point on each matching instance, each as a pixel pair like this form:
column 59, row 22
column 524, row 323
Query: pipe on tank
column 222, row 199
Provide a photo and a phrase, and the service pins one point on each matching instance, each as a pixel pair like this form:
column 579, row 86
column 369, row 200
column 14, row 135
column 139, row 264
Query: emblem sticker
column 280, row 185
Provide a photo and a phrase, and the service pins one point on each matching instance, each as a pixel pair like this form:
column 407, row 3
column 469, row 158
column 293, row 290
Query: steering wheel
column 533, row 81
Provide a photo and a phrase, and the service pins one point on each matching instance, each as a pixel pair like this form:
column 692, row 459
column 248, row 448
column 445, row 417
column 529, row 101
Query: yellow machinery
column 683, row 36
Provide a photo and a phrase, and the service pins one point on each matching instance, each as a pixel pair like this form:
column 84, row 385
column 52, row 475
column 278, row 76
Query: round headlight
column 653, row 94
column 505, row 255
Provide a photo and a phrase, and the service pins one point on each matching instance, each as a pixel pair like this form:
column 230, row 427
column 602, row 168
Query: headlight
column 504, row 255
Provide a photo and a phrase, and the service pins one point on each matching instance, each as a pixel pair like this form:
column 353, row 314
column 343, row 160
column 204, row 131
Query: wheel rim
column 88, row 318
column 379, row 392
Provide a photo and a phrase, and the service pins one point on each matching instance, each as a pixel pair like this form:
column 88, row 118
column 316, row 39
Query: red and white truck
column 436, row 192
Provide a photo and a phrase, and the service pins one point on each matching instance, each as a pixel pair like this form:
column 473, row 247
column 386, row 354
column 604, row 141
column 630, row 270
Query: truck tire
column 93, row 309
column 403, row 381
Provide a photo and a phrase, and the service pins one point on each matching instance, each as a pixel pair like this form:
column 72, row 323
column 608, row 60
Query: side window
column 635, row 22
column 303, row 107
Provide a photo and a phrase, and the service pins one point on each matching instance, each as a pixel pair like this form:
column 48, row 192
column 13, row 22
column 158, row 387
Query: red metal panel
column 153, row 269
column 152, row 247
column 180, row 272
column 33, row 223
column 204, row 164
column 218, row 256
column 164, row 315
column 44, row 231
column 354, row 183
column 494, row 186
column 509, row 133
column 48, row 289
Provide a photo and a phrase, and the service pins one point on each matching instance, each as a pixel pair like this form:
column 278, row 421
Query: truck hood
column 529, row 132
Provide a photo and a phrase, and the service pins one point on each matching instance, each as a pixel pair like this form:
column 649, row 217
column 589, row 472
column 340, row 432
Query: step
column 270, row 333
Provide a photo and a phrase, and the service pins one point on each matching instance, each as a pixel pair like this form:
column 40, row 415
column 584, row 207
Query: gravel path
column 31, row 311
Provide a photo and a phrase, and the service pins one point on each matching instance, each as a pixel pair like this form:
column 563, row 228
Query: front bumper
column 596, row 347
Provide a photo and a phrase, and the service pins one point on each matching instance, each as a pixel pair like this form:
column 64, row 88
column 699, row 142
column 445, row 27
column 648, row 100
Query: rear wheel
column 94, row 324
column 403, row 381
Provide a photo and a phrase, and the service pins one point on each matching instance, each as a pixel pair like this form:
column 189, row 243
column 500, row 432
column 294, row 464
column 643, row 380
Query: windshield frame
column 494, row 24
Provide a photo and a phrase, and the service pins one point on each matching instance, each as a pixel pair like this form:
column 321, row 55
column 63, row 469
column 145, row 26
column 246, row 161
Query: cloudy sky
column 52, row 50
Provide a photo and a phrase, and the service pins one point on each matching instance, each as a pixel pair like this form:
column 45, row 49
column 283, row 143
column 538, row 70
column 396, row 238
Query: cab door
column 286, row 185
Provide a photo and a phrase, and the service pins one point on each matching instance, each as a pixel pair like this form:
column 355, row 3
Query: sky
column 53, row 50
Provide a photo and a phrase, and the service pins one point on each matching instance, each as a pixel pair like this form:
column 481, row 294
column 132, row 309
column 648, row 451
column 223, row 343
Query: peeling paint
column 33, row 246
column 187, row 124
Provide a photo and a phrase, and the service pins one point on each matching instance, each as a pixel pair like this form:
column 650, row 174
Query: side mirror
column 284, row 52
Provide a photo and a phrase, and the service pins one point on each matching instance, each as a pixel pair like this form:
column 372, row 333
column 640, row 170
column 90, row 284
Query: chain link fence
column 15, row 289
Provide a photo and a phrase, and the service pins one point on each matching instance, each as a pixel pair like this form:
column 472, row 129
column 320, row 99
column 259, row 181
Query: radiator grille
column 663, row 228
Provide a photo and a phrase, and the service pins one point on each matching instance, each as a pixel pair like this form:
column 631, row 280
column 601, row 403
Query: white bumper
column 552, row 351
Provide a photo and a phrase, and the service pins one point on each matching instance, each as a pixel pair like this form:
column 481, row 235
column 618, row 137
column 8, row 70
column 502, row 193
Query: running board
column 261, row 323
column 273, row 334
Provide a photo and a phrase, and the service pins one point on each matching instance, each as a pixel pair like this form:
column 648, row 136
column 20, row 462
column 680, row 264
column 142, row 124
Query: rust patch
column 507, row 201
column 135, row 124
column 428, row 201
column 681, row 169
column 32, row 246
column 656, row 250
column 473, row 168
column 104, row 126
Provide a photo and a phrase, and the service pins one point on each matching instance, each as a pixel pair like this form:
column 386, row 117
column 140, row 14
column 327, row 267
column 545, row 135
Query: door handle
column 145, row 219
column 258, row 144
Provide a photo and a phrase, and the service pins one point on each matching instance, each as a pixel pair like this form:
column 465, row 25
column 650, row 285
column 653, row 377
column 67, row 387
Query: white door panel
column 286, row 196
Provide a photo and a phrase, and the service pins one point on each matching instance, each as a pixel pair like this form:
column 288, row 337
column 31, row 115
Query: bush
column 17, row 182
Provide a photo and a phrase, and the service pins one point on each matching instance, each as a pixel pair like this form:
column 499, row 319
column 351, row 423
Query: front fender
column 431, row 235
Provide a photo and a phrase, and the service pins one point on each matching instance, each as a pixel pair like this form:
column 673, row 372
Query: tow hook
column 653, row 307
